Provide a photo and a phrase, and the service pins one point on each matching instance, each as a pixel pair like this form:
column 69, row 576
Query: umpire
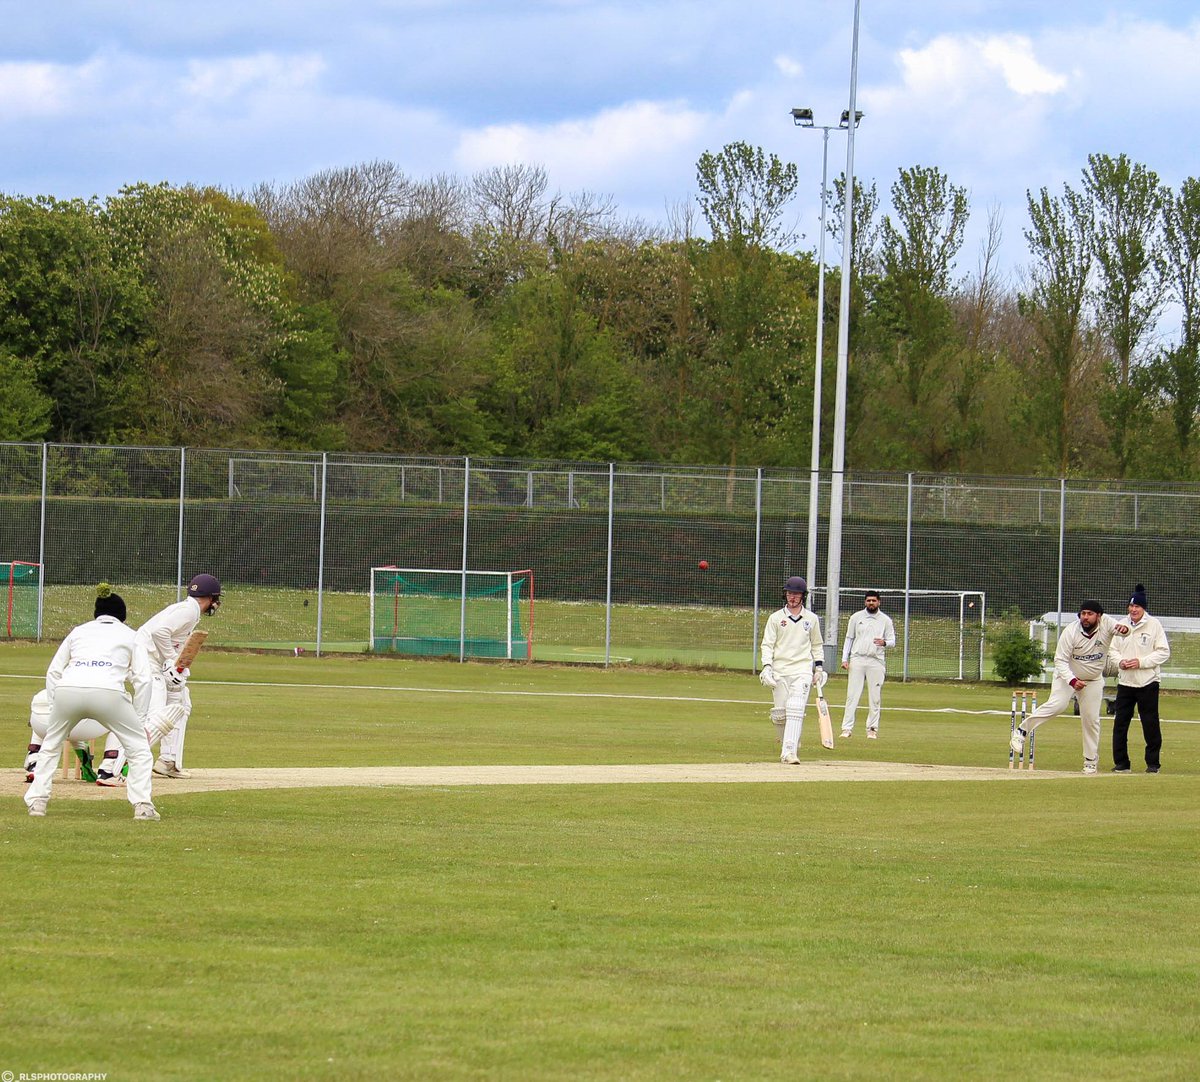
column 1139, row 657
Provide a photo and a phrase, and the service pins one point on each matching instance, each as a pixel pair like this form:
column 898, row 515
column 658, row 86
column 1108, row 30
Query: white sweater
column 103, row 653
column 791, row 643
column 164, row 634
column 1081, row 656
column 862, row 631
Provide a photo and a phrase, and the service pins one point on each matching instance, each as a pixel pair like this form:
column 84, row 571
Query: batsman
column 792, row 664
column 164, row 636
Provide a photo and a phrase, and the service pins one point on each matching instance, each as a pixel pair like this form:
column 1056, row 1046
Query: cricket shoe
column 38, row 807
column 1152, row 770
column 872, row 734
column 1017, row 743
column 1089, row 766
column 166, row 768
column 789, row 759
column 109, row 779
column 847, row 736
column 146, row 812
column 1122, row 770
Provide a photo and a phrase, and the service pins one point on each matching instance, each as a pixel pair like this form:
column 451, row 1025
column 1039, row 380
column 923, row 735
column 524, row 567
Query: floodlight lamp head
column 802, row 118
column 845, row 121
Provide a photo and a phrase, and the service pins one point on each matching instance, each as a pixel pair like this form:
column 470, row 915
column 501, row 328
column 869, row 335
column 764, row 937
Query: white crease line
column 571, row 695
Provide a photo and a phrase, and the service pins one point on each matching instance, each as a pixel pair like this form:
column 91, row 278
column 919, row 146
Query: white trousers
column 116, row 714
column 871, row 672
column 791, row 699
column 1090, row 696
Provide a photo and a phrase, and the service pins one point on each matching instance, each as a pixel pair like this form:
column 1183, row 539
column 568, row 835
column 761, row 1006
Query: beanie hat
column 1092, row 605
column 108, row 603
column 1139, row 596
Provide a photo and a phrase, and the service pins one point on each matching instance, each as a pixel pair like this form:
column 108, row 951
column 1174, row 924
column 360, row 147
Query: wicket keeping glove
column 767, row 677
column 175, row 679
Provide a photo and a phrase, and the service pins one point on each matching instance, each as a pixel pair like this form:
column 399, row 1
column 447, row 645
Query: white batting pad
column 164, row 721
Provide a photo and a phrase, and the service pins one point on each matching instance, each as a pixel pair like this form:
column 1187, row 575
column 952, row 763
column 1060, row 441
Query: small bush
column 1016, row 656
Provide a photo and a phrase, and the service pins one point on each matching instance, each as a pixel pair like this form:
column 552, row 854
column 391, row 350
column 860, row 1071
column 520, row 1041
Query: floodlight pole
column 833, row 575
column 803, row 118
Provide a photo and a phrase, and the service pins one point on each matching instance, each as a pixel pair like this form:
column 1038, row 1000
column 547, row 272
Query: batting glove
column 174, row 678
column 767, row 677
column 820, row 677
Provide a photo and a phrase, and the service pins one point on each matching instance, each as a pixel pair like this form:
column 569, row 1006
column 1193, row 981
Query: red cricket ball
column 703, row 565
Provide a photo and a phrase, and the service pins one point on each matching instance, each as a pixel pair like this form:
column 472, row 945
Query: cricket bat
column 824, row 721
column 190, row 649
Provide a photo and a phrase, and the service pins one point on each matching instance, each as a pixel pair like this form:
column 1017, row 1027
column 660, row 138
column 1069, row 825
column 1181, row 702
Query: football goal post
column 22, row 586
column 939, row 633
column 437, row 613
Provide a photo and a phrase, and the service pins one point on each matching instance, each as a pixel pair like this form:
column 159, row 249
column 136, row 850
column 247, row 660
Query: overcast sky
column 616, row 98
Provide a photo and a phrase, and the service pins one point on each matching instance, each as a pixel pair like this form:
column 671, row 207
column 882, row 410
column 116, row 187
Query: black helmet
column 795, row 585
column 204, row 586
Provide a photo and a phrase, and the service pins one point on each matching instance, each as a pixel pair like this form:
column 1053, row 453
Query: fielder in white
column 868, row 634
column 1079, row 663
column 86, row 679
column 792, row 660
column 162, row 637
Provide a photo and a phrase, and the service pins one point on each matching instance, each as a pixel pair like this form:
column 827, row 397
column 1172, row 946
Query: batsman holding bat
column 164, row 637
column 792, row 662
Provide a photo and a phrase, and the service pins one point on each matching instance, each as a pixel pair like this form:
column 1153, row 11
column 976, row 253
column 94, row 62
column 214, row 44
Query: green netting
column 20, row 585
column 420, row 612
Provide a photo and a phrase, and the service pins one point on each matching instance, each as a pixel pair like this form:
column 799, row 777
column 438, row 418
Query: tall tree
column 918, row 248
column 71, row 306
column 746, row 375
column 1177, row 371
column 743, row 193
column 1060, row 242
column 1126, row 241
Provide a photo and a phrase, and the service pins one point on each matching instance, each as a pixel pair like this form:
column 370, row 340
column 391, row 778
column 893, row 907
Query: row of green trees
column 361, row 309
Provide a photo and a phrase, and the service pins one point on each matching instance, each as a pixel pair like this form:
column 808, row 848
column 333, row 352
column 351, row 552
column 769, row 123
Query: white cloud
column 1013, row 57
column 785, row 65
column 592, row 152
column 232, row 77
column 36, row 89
column 954, row 65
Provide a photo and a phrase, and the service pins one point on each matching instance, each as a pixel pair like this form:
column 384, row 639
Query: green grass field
column 1031, row 928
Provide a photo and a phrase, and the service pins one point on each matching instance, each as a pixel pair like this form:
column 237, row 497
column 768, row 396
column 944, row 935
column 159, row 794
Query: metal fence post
column 321, row 549
column 41, row 602
column 462, row 612
column 609, row 573
column 182, row 504
column 908, row 516
column 1062, row 537
column 757, row 564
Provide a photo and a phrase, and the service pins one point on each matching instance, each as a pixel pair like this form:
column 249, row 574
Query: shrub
column 1016, row 656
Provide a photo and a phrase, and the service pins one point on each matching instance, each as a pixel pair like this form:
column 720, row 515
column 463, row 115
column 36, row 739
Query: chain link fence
column 616, row 549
